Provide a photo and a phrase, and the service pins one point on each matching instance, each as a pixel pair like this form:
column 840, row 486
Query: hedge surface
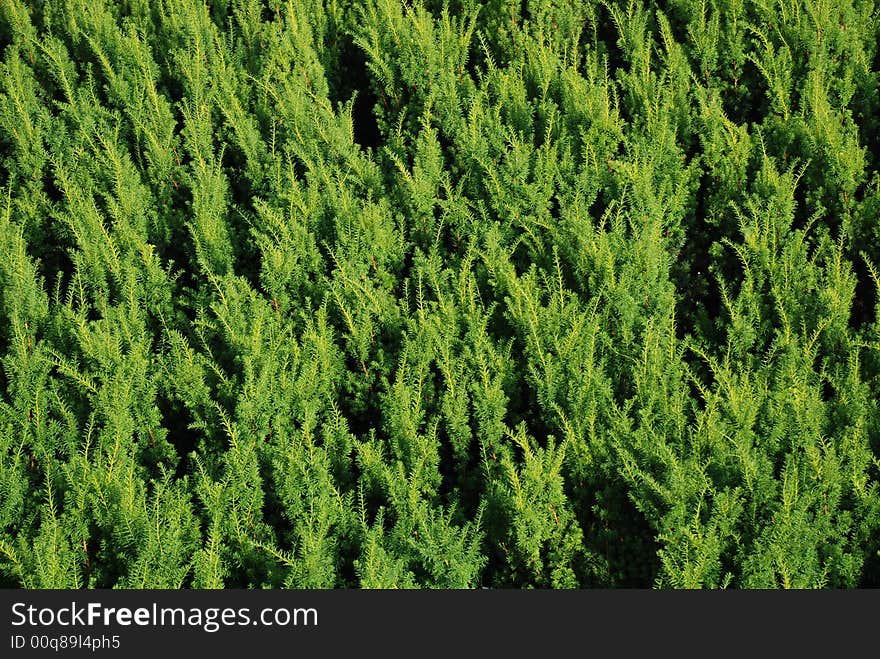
column 384, row 294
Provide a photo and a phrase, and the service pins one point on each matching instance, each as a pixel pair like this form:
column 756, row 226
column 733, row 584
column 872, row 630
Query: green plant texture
column 439, row 294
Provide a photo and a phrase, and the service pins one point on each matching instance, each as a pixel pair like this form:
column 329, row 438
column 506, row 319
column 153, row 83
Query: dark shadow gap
column 347, row 77
column 177, row 419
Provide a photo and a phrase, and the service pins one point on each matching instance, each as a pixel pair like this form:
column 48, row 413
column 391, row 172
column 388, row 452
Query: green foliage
column 439, row 294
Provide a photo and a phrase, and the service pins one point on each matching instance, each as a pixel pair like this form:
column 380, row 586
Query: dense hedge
column 319, row 293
